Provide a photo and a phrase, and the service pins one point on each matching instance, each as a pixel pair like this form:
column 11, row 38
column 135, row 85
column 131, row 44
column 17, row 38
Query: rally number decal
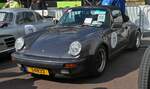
column 101, row 18
column 29, row 29
column 114, row 39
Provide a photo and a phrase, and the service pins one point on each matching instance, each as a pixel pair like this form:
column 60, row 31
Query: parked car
column 15, row 23
column 79, row 45
column 144, row 73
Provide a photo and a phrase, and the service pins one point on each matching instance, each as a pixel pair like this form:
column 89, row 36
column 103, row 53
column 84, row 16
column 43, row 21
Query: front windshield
column 90, row 17
column 6, row 17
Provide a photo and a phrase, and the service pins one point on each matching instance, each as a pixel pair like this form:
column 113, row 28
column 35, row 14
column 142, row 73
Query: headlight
column 75, row 48
column 19, row 43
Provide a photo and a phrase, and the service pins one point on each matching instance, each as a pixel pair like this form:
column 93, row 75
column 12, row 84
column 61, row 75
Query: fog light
column 64, row 71
column 70, row 65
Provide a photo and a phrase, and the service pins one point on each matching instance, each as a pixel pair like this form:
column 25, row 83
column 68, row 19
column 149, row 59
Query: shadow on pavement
column 119, row 66
column 18, row 84
column 5, row 57
column 7, row 64
column 100, row 88
column 10, row 74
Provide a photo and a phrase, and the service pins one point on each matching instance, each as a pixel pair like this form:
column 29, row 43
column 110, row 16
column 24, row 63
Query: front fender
column 94, row 44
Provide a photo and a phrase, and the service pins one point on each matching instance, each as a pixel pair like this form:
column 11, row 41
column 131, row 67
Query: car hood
column 56, row 41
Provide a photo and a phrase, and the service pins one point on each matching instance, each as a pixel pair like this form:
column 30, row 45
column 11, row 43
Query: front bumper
column 55, row 66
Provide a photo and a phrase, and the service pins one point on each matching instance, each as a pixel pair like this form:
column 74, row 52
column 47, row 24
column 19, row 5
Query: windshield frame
column 67, row 12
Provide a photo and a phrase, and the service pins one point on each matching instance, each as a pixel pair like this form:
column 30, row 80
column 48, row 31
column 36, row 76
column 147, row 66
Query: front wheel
column 100, row 61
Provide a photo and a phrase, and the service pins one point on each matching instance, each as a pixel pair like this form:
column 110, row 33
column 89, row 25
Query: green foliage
column 65, row 4
column 1, row 5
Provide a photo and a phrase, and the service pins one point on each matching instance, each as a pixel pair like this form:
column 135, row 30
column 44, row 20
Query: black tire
column 100, row 59
column 135, row 41
column 144, row 73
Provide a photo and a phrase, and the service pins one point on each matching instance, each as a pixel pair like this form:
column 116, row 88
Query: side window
column 9, row 17
column 29, row 17
column 39, row 17
column 20, row 18
column 25, row 18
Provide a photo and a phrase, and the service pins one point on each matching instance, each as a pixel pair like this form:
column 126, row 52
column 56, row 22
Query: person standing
column 12, row 4
column 38, row 5
column 25, row 3
column 118, row 3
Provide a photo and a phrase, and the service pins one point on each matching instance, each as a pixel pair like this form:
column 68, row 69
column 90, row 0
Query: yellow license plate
column 38, row 71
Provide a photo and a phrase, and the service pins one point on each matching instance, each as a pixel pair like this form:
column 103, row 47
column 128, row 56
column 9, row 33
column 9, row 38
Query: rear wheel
column 136, row 41
column 144, row 73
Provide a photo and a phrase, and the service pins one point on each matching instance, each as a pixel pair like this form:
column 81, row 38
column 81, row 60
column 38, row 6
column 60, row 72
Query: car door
column 118, row 36
column 25, row 22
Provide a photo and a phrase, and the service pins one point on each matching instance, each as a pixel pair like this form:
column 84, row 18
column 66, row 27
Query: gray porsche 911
column 15, row 23
column 80, row 44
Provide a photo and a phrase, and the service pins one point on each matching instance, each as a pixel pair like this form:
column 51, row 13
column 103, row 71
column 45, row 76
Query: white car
column 15, row 23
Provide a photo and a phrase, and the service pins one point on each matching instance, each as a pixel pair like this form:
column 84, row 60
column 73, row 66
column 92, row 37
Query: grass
column 66, row 4
column 1, row 5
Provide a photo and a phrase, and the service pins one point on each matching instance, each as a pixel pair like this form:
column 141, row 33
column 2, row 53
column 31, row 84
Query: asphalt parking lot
column 121, row 73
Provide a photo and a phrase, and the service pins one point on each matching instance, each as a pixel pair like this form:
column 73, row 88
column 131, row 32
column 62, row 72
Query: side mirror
column 116, row 13
column 3, row 24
